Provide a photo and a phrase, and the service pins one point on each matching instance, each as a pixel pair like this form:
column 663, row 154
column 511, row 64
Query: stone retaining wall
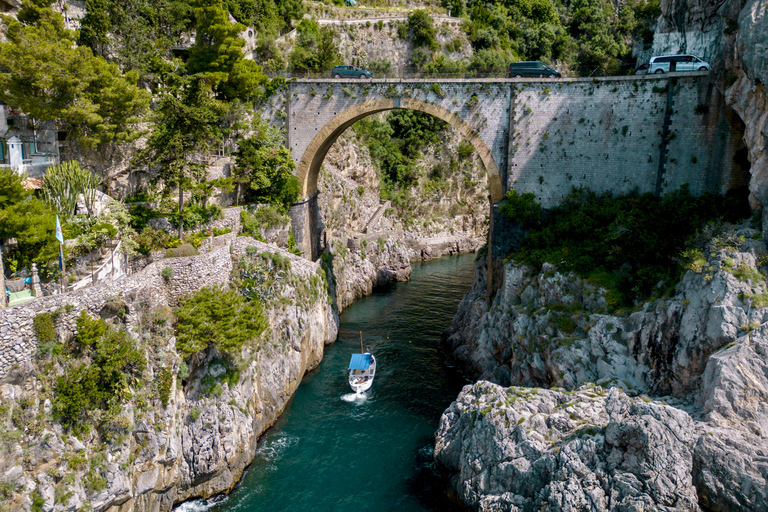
column 17, row 337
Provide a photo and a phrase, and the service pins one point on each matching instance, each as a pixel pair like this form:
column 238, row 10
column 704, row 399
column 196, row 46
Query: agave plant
column 63, row 183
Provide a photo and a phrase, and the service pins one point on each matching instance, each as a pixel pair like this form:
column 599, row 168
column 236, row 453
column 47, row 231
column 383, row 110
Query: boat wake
column 354, row 397
column 201, row 505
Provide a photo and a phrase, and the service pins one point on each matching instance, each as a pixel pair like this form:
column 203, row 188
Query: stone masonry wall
column 17, row 337
column 611, row 136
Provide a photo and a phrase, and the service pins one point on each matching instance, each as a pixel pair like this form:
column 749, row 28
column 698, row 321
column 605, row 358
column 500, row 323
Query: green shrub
column 291, row 245
column 423, row 29
column 164, row 383
column 194, row 413
column 195, row 215
column 166, row 273
column 37, row 501
column 217, row 317
column 212, row 386
column 746, row 273
column 629, row 243
column 152, row 239
column 694, row 260
column 184, row 250
column 104, row 383
column 44, row 325
column 521, row 208
column 465, row 149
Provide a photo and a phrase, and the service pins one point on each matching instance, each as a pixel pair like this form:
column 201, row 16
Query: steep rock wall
column 732, row 35
column 702, row 351
column 199, row 443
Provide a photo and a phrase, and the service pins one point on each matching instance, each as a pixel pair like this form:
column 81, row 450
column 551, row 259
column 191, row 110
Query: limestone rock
column 707, row 347
column 525, row 450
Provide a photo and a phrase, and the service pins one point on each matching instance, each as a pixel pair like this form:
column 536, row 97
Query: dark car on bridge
column 521, row 69
column 350, row 71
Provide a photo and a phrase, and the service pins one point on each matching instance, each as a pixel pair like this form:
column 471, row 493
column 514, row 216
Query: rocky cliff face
column 372, row 241
column 732, row 36
column 150, row 456
column 703, row 351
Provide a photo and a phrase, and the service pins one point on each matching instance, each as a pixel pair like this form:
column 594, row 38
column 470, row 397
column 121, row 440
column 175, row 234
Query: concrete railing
column 432, row 78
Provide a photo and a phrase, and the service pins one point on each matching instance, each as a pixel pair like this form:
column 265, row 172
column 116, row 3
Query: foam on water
column 354, row 397
column 201, row 505
column 333, row 450
column 274, row 447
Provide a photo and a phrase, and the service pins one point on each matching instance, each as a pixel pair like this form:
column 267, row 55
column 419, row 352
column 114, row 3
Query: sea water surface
column 333, row 451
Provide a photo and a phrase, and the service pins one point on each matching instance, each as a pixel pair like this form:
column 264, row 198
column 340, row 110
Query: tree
column 49, row 78
column 218, row 55
column 220, row 318
column 27, row 219
column 187, row 124
column 315, row 49
column 94, row 27
column 268, row 166
column 217, row 45
column 521, row 208
column 423, row 29
column 62, row 184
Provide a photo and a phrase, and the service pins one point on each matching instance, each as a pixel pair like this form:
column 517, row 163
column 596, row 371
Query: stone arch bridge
column 651, row 133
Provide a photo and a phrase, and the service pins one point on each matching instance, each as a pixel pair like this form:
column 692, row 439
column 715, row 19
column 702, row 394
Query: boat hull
column 361, row 379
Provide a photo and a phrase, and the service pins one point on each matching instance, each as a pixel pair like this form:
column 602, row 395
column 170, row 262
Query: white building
column 26, row 144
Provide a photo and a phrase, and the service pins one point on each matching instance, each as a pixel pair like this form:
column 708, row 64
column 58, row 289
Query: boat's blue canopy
column 360, row 361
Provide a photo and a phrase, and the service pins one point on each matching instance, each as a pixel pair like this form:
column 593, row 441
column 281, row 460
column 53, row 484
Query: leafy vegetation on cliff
column 220, row 318
column 103, row 384
column 586, row 36
column 395, row 142
column 630, row 244
column 49, row 78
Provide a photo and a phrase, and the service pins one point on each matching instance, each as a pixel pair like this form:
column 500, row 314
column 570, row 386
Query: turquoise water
column 331, row 451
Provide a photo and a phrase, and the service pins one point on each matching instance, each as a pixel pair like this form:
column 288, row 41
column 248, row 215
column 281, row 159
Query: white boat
column 362, row 369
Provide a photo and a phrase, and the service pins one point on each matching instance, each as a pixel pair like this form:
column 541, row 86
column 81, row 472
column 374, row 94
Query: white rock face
column 539, row 450
column 705, row 350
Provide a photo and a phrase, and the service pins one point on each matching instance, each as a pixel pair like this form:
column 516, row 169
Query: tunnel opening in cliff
column 741, row 166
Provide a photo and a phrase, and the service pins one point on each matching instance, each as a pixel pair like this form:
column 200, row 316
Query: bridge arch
column 308, row 168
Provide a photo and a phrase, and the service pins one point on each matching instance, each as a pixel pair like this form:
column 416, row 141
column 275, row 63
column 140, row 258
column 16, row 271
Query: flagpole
column 2, row 279
column 62, row 266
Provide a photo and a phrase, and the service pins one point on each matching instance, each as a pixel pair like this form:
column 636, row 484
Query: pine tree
column 217, row 317
column 49, row 78
column 94, row 27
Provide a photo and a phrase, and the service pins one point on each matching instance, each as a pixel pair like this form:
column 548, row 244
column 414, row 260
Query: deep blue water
column 330, row 451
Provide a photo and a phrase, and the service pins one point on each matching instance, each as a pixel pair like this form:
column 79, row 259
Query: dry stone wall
column 17, row 337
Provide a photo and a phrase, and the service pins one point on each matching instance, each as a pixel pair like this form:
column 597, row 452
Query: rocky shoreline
column 198, row 443
column 680, row 388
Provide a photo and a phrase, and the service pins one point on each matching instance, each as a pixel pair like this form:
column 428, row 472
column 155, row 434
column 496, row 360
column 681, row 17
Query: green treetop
column 188, row 119
column 268, row 166
column 27, row 219
column 50, row 78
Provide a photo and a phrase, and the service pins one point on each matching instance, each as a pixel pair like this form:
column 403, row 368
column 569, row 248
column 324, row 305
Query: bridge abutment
column 306, row 226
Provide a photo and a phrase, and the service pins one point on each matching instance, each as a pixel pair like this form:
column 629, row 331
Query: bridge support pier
column 305, row 224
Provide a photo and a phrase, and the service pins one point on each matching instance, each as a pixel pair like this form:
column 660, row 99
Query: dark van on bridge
column 521, row 69
column 350, row 72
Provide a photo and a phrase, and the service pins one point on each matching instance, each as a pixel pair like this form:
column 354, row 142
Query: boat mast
column 361, row 343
